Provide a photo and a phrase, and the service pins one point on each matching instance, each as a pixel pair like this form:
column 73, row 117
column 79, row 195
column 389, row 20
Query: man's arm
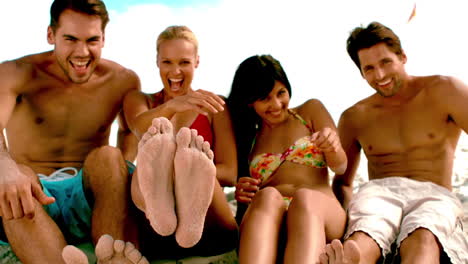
column 455, row 97
column 16, row 188
column 343, row 184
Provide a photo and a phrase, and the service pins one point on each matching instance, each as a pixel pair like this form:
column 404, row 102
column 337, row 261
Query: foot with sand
column 338, row 253
column 155, row 175
column 108, row 251
column 195, row 175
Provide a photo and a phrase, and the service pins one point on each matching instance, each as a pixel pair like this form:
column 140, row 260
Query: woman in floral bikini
column 292, row 210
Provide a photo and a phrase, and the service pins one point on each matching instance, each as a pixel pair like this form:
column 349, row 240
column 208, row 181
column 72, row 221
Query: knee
column 107, row 163
column 420, row 239
column 308, row 201
column 268, row 199
column 104, row 155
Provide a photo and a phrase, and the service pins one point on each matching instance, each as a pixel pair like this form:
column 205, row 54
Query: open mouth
column 80, row 67
column 384, row 83
column 175, row 84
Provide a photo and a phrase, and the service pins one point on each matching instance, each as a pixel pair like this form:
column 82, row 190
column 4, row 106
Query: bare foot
column 195, row 175
column 72, row 255
column 108, row 251
column 155, row 175
column 337, row 253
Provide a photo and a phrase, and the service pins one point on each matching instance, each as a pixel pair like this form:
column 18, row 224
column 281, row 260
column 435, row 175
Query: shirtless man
column 57, row 108
column 408, row 131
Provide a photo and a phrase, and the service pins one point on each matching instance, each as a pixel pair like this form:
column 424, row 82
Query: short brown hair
column 373, row 34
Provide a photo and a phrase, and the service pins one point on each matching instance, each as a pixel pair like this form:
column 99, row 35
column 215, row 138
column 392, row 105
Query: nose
column 81, row 49
column 379, row 73
column 176, row 68
column 276, row 102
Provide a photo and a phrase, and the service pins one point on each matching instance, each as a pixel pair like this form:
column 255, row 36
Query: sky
column 307, row 36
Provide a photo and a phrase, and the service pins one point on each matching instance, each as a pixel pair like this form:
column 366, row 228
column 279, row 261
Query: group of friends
column 61, row 183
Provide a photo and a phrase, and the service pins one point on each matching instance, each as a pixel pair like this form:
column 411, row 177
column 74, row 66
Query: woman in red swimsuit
column 178, row 183
column 292, row 211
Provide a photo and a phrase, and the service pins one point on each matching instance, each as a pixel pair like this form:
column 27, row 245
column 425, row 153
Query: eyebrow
column 75, row 38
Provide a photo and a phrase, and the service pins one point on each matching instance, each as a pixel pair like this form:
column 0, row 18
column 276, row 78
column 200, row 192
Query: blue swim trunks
column 71, row 210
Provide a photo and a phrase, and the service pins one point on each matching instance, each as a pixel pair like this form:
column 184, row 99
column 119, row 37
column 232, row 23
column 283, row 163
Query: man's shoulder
column 114, row 67
column 20, row 71
column 117, row 72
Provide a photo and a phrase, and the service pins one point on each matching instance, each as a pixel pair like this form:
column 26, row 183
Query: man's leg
column 37, row 240
column 421, row 246
column 105, row 174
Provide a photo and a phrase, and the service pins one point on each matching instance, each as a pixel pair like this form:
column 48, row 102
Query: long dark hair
column 254, row 79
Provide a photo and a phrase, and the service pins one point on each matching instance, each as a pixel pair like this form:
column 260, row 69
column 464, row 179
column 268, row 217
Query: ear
column 103, row 39
column 197, row 61
column 50, row 36
column 403, row 57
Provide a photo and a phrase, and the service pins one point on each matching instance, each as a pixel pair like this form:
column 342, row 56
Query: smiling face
column 383, row 69
column 78, row 41
column 177, row 60
column 274, row 108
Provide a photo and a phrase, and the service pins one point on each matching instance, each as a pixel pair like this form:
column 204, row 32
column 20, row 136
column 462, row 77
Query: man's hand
column 18, row 191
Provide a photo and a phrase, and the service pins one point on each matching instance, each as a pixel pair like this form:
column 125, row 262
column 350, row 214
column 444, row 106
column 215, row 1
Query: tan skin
column 177, row 60
column 58, row 114
column 405, row 130
column 308, row 224
column 178, row 57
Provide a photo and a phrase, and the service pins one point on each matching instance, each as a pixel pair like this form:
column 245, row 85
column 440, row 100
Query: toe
column 183, row 138
column 330, row 253
column 193, row 136
column 105, row 247
column 72, row 255
column 166, row 126
column 119, row 247
column 199, row 142
column 323, row 258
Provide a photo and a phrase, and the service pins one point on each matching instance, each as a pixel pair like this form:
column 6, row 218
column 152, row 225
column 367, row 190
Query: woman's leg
column 261, row 226
column 313, row 219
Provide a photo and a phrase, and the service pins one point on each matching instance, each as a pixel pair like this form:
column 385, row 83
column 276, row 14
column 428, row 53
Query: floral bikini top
column 303, row 151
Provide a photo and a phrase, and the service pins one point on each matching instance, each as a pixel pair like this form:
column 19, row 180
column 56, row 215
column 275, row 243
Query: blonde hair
column 177, row 32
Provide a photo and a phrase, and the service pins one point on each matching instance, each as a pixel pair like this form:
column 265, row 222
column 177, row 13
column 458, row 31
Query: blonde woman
column 186, row 153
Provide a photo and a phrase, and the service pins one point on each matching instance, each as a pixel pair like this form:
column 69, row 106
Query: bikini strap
column 156, row 98
column 298, row 117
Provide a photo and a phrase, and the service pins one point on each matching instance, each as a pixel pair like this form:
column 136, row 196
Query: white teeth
column 80, row 63
column 175, row 80
column 384, row 83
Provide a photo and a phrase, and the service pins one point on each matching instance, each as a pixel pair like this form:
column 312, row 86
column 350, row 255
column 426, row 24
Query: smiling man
column 408, row 131
column 60, row 182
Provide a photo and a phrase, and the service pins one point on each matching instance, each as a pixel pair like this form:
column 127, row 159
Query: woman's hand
column 199, row 101
column 327, row 140
column 246, row 188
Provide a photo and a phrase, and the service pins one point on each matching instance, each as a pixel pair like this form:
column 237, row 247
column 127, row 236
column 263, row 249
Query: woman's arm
column 326, row 136
column 224, row 149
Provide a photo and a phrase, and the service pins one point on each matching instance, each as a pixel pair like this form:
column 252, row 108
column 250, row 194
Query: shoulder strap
column 298, row 117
